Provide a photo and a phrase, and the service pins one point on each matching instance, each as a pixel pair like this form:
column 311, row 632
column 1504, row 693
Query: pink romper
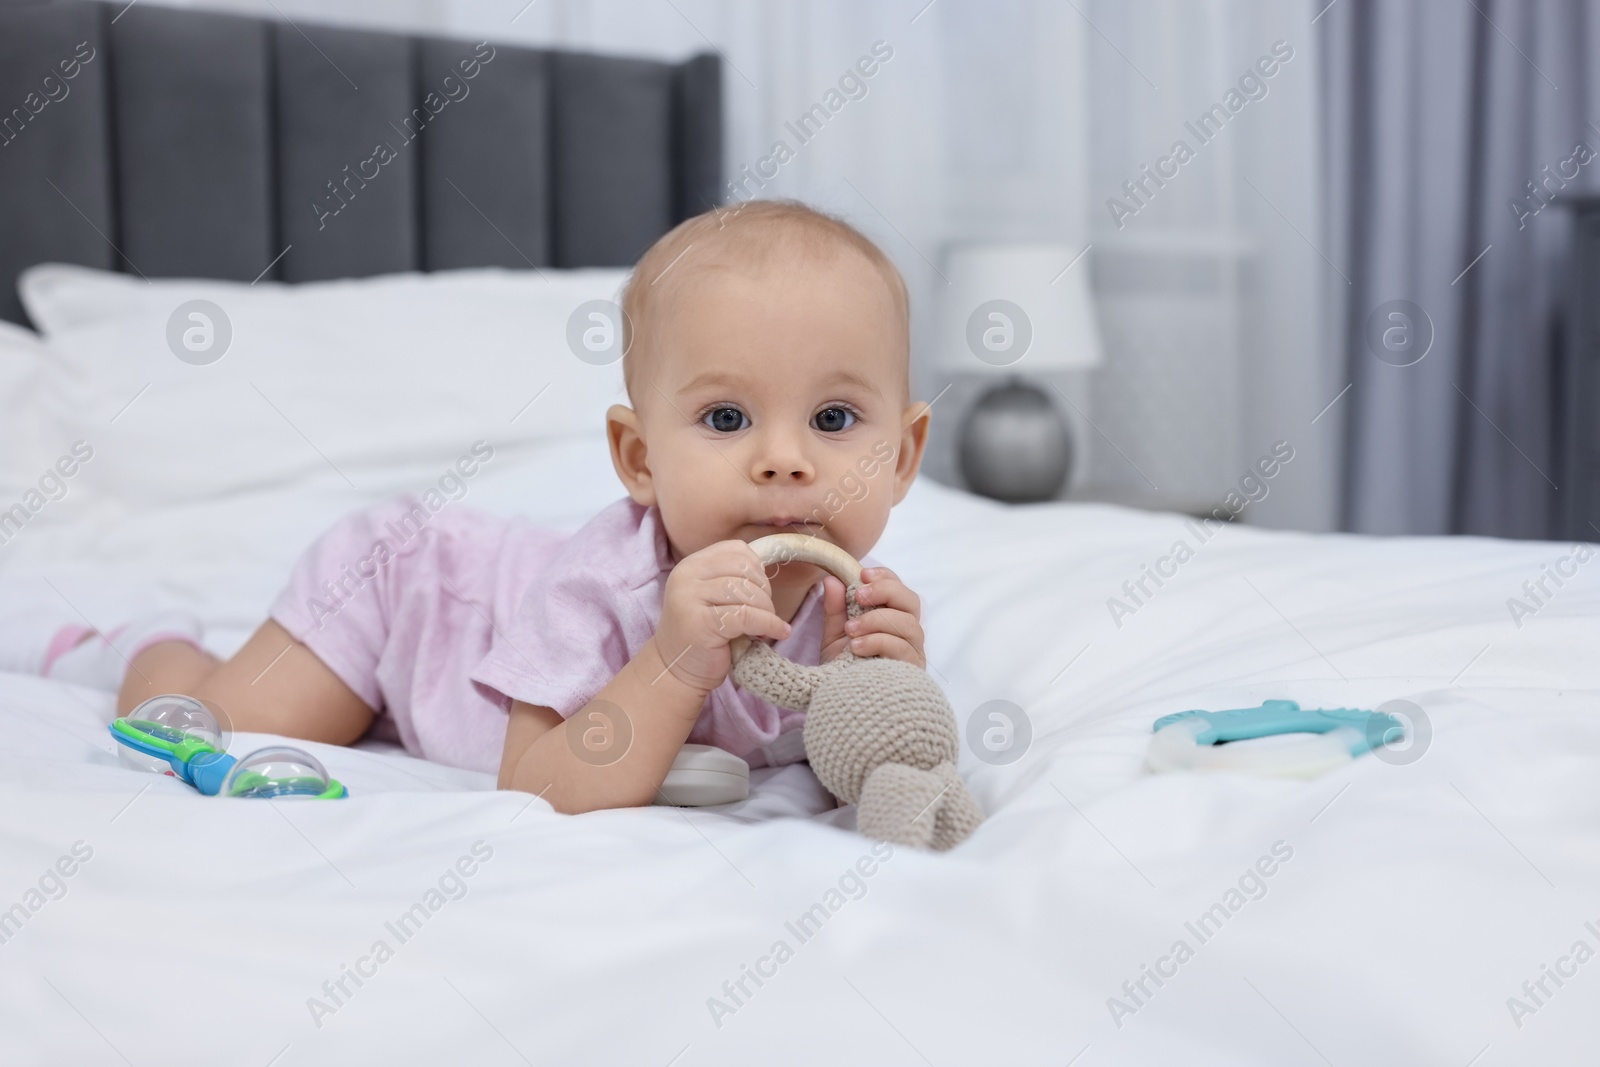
column 438, row 618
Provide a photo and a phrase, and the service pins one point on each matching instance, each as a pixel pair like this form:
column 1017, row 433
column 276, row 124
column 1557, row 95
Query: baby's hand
column 889, row 625
column 712, row 596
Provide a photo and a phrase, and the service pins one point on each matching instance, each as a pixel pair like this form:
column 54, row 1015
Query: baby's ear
column 629, row 454
column 913, row 442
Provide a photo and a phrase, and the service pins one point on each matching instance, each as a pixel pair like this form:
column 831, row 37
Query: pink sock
column 66, row 638
column 102, row 661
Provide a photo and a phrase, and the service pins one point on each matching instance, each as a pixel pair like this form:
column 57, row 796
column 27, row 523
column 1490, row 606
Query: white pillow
column 23, row 363
column 359, row 381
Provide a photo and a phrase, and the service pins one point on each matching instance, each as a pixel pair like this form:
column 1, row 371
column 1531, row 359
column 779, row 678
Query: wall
column 1019, row 119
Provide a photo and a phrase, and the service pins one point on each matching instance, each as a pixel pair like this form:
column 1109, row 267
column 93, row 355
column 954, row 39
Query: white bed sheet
column 1418, row 898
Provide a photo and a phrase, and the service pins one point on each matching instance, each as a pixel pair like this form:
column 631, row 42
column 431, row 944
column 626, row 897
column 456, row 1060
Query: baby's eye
column 832, row 420
column 725, row 420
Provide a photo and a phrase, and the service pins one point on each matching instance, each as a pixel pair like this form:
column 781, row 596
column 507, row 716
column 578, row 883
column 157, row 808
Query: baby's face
column 775, row 400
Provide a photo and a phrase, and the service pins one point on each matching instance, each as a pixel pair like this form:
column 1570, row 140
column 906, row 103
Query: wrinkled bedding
column 1390, row 911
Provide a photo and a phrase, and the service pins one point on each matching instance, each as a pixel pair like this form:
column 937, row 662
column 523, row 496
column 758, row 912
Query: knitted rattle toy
column 879, row 732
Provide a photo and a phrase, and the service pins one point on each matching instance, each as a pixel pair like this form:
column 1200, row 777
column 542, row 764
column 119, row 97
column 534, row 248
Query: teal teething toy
column 1195, row 740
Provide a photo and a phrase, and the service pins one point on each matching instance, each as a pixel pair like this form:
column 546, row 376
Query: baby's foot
column 75, row 653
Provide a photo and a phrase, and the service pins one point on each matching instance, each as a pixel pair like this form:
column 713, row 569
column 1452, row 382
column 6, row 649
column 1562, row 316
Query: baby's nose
column 783, row 461
column 796, row 472
column 778, row 475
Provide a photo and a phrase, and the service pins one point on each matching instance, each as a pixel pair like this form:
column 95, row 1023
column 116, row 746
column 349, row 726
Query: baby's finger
column 733, row 563
column 833, row 598
column 728, row 597
column 883, row 589
column 724, row 588
column 747, row 620
column 732, row 584
column 889, row 646
column 833, row 610
column 887, row 620
column 745, row 567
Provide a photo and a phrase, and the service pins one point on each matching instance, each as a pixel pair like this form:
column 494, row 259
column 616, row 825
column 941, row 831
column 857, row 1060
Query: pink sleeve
column 568, row 639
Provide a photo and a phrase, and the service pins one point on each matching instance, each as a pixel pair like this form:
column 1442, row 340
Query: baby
column 767, row 364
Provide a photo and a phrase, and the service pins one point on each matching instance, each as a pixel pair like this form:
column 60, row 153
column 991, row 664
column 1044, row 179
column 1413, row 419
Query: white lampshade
column 1017, row 309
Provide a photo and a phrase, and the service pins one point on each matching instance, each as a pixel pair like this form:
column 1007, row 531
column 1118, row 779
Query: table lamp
column 1014, row 309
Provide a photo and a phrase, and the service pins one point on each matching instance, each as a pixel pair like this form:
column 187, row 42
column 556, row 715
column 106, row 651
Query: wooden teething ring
column 879, row 733
column 801, row 548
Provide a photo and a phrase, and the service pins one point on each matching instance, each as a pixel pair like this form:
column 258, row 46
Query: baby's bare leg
column 167, row 667
column 274, row 685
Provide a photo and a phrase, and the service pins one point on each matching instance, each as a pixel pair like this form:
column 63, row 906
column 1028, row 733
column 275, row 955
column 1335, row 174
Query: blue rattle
column 180, row 736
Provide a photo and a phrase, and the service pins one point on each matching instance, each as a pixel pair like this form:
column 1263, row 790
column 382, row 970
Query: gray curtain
column 1437, row 117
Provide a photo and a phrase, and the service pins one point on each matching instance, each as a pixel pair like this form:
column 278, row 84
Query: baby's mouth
column 788, row 524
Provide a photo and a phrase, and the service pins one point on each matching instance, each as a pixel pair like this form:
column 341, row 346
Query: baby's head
column 768, row 365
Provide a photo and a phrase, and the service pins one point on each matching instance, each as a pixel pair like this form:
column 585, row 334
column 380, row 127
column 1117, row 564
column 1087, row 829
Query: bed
column 1423, row 907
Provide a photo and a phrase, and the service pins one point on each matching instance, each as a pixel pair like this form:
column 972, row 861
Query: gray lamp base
column 1015, row 446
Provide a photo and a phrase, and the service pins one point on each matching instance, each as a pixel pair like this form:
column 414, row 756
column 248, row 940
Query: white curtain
column 1209, row 290
column 974, row 129
column 1019, row 119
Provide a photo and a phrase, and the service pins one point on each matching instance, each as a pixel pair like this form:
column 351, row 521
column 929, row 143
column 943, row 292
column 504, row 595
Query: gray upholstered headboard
column 193, row 144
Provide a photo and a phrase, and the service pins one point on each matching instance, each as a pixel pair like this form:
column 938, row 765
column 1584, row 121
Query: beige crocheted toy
column 879, row 732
